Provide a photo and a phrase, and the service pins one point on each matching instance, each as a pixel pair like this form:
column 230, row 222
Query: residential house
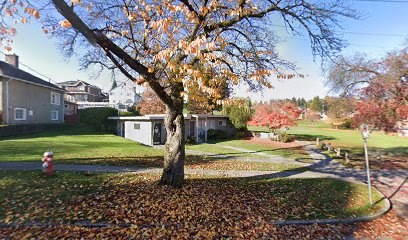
column 124, row 96
column 150, row 129
column 81, row 91
column 27, row 99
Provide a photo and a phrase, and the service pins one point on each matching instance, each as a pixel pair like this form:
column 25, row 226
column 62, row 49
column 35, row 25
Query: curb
column 364, row 218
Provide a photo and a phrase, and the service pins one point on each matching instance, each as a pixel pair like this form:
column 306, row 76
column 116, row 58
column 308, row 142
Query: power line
column 33, row 70
column 378, row 34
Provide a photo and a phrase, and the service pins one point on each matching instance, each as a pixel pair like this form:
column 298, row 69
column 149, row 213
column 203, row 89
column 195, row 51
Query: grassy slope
column 26, row 196
column 348, row 138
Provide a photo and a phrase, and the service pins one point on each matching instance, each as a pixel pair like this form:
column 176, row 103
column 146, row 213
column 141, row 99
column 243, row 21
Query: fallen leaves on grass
column 204, row 207
column 259, row 231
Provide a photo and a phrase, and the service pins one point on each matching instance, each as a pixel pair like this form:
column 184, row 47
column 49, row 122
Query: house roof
column 76, row 82
column 125, row 85
column 161, row 117
column 10, row 71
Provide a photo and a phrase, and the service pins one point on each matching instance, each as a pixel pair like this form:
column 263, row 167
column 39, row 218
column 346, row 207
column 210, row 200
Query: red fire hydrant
column 48, row 163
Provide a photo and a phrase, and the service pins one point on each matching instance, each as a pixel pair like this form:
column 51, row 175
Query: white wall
column 124, row 94
column 142, row 135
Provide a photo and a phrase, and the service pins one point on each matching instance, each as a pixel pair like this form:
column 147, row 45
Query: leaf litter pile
column 204, row 207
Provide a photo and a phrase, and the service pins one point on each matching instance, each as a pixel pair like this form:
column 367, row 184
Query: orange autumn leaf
column 36, row 14
column 65, row 24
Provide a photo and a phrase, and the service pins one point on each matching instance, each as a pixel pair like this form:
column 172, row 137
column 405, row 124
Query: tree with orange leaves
column 151, row 104
column 276, row 116
column 160, row 43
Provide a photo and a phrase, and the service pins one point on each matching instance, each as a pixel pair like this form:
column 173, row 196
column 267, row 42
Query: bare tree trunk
column 174, row 153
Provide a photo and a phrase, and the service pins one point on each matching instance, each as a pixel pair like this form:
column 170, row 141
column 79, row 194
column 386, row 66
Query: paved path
column 28, row 166
column 392, row 183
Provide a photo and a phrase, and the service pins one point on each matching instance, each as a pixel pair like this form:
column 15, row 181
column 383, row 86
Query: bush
column 97, row 118
column 284, row 137
column 216, row 134
column 347, row 124
column 240, row 134
column 190, row 141
column 127, row 114
column 243, row 133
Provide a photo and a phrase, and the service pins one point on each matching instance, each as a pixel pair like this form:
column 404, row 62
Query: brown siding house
column 81, row 91
column 27, row 99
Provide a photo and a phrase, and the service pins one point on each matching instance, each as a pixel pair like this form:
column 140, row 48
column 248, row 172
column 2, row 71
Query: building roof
column 125, row 85
column 10, row 71
column 76, row 82
column 161, row 117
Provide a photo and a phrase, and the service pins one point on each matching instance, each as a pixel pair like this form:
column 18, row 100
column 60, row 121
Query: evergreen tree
column 114, row 85
column 316, row 104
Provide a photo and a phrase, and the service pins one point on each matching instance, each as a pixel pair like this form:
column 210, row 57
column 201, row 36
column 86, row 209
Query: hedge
column 97, row 118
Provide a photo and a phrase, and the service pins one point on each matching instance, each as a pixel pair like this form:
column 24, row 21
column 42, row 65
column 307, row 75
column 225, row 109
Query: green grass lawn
column 350, row 139
column 213, row 149
column 72, row 142
column 81, row 145
column 293, row 153
column 138, row 199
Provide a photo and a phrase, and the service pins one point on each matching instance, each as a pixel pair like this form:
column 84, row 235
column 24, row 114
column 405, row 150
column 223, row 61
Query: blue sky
column 384, row 27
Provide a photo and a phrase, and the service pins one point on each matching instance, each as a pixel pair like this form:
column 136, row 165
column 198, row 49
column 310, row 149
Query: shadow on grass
column 398, row 151
column 311, row 137
column 253, row 151
column 57, row 130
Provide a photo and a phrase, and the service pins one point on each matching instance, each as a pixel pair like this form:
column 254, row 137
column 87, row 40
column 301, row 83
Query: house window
column 136, row 126
column 111, row 93
column 55, row 98
column 20, row 114
column 54, row 115
column 222, row 122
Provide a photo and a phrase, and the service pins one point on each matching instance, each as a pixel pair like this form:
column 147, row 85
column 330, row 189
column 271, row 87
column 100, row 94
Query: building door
column 157, row 134
column 192, row 128
column 122, row 129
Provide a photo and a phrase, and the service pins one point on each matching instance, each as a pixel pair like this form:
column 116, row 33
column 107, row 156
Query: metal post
column 368, row 171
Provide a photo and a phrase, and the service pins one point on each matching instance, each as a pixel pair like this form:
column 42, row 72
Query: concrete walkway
column 29, row 166
column 392, row 183
column 267, row 157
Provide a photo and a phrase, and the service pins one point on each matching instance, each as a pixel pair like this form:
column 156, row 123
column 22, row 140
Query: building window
column 222, row 122
column 54, row 115
column 20, row 114
column 136, row 126
column 55, row 98
column 111, row 93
